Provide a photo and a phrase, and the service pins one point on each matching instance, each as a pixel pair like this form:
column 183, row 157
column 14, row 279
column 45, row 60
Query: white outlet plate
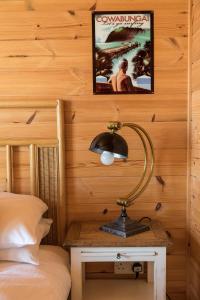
column 125, row 267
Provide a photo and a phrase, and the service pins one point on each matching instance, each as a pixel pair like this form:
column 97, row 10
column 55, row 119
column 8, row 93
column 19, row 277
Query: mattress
column 48, row 281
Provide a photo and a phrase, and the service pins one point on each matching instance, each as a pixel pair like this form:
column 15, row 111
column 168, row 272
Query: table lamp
column 111, row 146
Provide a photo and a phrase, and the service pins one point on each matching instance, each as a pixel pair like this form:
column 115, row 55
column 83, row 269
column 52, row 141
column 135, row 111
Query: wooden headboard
column 46, row 165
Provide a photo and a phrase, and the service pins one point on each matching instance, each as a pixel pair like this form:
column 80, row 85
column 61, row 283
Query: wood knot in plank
column 158, row 206
column 31, row 118
column 29, row 5
column 160, row 181
column 73, row 115
column 71, row 12
column 153, row 118
column 168, row 234
column 174, row 42
column 93, row 7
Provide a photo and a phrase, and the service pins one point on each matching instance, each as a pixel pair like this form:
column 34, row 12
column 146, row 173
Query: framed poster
column 123, row 52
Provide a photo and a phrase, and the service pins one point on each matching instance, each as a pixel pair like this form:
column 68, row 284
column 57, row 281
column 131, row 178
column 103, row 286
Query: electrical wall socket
column 126, row 267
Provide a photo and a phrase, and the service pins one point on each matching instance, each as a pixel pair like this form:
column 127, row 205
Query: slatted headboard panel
column 46, row 168
column 48, row 185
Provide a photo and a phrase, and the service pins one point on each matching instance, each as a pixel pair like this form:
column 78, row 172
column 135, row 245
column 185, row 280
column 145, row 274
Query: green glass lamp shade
column 110, row 142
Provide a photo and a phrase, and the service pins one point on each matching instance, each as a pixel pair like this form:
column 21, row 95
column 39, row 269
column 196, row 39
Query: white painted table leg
column 76, row 274
column 83, row 276
column 160, row 275
column 150, row 271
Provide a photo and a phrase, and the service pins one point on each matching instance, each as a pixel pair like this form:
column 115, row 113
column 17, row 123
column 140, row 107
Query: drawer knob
column 118, row 255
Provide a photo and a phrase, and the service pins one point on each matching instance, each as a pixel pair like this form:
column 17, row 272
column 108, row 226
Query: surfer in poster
column 122, row 53
column 120, row 81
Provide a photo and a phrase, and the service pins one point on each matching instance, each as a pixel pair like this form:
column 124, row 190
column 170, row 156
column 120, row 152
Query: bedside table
column 88, row 244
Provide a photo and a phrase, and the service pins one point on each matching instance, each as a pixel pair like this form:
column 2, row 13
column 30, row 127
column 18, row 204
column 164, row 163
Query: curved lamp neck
column 148, row 157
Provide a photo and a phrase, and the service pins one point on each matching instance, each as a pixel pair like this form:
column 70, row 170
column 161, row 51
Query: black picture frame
column 132, row 34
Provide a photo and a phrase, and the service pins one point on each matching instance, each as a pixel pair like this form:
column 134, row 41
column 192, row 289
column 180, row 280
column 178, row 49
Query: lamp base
column 124, row 226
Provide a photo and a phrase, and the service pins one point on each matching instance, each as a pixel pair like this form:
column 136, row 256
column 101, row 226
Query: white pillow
column 19, row 217
column 28, row 254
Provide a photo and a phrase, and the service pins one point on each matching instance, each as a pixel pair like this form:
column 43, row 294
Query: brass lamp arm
column 141, row 186
column 145, row 164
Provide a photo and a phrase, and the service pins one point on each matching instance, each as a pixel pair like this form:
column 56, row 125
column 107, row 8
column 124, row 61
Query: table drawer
column 117, row 255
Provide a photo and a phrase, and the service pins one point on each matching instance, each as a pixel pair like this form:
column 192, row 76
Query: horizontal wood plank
column 86, row 190
column 163, row 134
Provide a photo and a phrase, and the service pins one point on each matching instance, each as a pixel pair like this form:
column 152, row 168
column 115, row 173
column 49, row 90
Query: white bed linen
column 48, row 281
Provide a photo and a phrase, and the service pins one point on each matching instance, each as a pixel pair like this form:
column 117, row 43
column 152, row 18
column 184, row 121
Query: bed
column 50, row 280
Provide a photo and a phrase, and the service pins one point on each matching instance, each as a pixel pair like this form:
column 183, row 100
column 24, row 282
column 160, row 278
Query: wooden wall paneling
column 168, row 135
column 63, row 25
column 45, row 54
column 105, row 189
column 4, row 104
column 61, row 5
column 12, row 5
column 168, row 162
column 35, row 27
column 169, row 110
column 193, row 282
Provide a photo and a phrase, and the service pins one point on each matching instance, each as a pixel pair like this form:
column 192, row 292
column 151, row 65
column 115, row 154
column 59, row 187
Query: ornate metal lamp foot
column 124, row 226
